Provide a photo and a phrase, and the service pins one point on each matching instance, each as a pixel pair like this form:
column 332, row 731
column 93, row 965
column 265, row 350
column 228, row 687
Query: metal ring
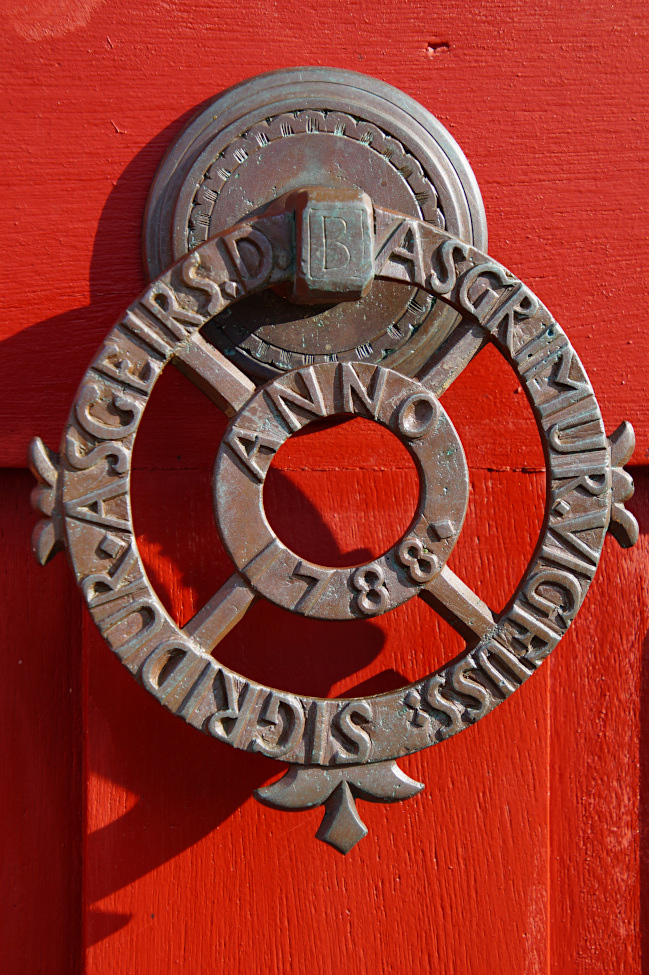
column 89, row 496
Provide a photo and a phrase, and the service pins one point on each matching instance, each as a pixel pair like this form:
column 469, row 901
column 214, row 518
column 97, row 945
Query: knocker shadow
column 144, row 765
column 186, row 783
column 60, row 347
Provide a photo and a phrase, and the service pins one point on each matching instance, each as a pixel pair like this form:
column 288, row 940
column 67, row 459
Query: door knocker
column 334, row 190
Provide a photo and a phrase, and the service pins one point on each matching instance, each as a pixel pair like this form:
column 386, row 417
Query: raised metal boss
column 315, row 245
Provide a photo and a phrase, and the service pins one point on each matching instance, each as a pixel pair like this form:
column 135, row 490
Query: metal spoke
column 221, row 613
column 458, row 605
column 213, row 374
column 453, row 356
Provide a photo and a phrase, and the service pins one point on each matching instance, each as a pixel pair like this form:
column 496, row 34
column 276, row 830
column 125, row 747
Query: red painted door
column 132, row 843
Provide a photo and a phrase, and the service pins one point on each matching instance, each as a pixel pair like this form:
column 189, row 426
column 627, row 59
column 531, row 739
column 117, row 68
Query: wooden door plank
column 176, row 843
column 546, row 106
column 521, row 856
column 40, row 744
column 598, row 697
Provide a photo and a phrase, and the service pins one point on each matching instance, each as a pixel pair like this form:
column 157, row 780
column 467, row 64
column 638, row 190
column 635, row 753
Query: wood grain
column 547, row 107
column 527, row 851
column 41, row 747
column 526, row 833
column 597, row 749
column 479, row 829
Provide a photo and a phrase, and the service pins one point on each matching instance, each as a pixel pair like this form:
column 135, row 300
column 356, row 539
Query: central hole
column 341, row 492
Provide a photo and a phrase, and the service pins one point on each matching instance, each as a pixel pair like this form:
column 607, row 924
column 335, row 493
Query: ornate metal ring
column 342, row 748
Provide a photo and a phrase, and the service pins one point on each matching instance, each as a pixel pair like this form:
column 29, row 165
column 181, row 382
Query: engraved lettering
column 567, row 529
column 91, row 507
column 561, row 401
column 239, row 709
column 137, row 585
column 569, row 391
column 327, row 234
column 419, row 414
column 356, row 740
column 144, row 330
column 170, row 671
column 290, row 727
column 432, row 692
column 231, row 709
column 320, row 720
column 554, row 579
column 318, row 579
column 589, row 471
column 412, row 700
column 116, row 364
column 529, row 632
column 408, row 251
column 420, row 565
column 196, row 275
column 281, row 396
column 107, row 450
column 564, row 557
column 102, row 587
column 373, row 596
column 131, row 644
column 517, row 306
column 540, row 352
column 448, row 254
column 162, row 301
column 485, row 302
column 465, row 685
column 89, row 396
column 562, row 376
column 247, row 444
column 252, row 255
column 201, row 689
column 503, row 679
column 352, row 390
column 333, row 246
column 592, row 441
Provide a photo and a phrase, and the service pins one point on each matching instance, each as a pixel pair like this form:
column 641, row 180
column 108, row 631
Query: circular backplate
column 304, row 126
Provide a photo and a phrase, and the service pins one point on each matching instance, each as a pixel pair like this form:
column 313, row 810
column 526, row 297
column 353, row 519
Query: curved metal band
column 164, row 323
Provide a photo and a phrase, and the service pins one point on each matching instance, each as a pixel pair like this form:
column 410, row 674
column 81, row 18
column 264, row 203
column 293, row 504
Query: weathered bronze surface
column 320, row 126
column 284, row 406
column 340, row 749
